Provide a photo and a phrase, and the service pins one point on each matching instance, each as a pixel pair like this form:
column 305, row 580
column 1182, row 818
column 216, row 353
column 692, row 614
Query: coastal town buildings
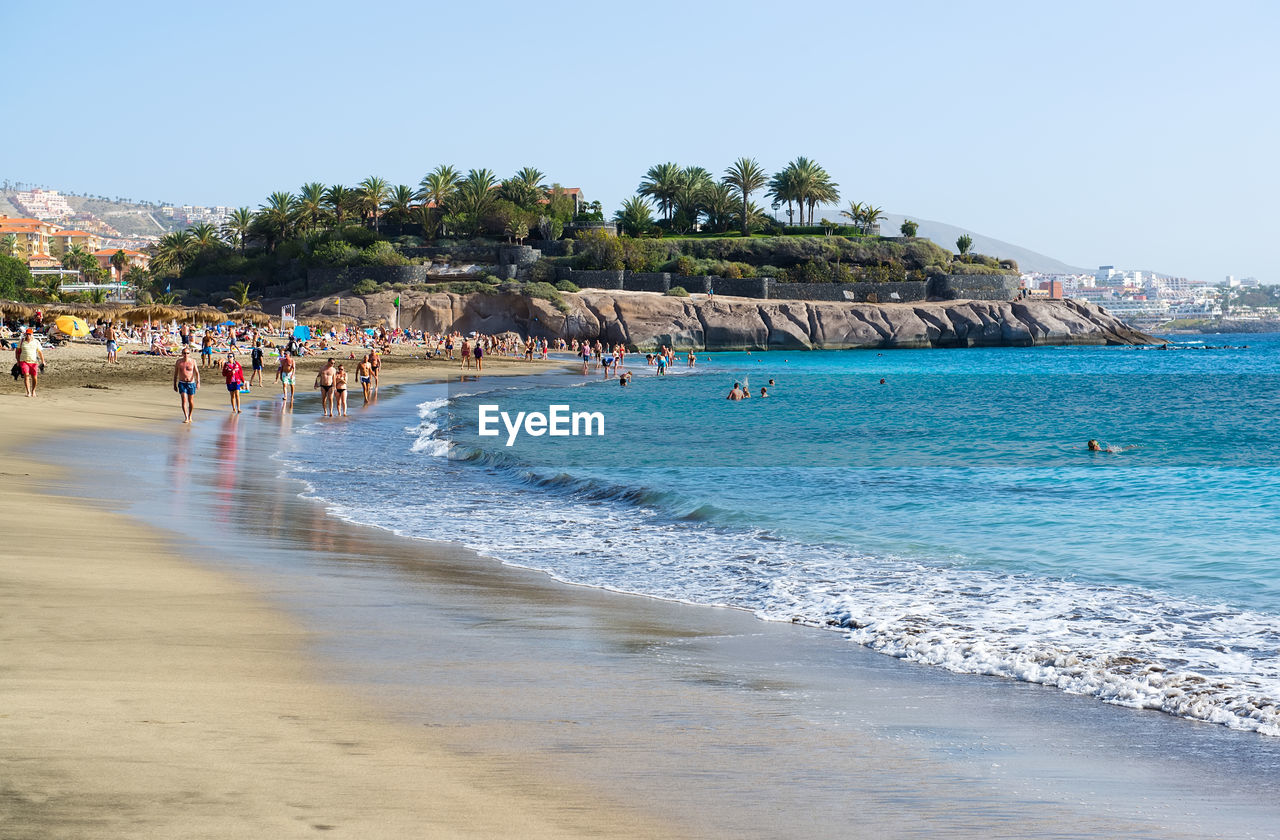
column 46, row 205
column 132, row 258
column 63, row 240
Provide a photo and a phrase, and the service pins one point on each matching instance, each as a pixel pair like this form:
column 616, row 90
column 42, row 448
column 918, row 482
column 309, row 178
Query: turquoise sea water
column 951, row 516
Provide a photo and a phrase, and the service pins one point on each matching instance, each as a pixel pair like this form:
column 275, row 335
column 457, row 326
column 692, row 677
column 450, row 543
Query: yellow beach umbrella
column 72, row 326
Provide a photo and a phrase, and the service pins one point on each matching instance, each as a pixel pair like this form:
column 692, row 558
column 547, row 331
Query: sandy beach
column 204, row 653
column 148, row 696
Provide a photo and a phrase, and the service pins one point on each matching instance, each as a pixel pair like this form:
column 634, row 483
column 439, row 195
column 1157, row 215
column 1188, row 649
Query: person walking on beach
column 326, row 381
column 340, row 389
column 206, row 350
column 186, row 379
column 375, row 364
column 365, row 372
column 478, row 354
column 285, row 375
column 466, row 353
column 109, row 333
column 233, row 373
column 30, row 360
column 255, row 361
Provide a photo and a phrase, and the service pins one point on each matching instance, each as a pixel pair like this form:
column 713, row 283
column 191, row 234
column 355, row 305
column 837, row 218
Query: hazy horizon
column 1095, row 134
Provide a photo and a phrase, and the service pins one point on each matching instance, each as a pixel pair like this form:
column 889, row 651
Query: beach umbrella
column 72, row 326
column 13, row 309
column 258, row 319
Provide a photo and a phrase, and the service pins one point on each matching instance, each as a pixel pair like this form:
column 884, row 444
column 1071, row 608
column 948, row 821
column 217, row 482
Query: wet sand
column 331, row 666
column 146, row 694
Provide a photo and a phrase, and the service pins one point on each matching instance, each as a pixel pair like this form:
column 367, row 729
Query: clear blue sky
column 1142, row 134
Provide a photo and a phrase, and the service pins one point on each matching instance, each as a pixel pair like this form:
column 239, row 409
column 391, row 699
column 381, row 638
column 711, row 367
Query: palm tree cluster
column 689, row 196
column 445, row 201
column 864, row 217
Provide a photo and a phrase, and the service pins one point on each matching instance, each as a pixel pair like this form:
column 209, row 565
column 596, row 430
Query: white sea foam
column 1122, row 645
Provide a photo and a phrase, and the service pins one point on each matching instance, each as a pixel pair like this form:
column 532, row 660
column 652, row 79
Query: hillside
column 946, row 235
column 126, row 217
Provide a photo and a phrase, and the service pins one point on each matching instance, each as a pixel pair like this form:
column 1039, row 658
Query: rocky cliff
column 643, row 320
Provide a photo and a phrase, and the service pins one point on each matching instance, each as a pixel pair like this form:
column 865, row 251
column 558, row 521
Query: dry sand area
column 145, row 696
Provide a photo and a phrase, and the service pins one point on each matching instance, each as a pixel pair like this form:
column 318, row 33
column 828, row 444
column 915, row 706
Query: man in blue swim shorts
column 186, row 379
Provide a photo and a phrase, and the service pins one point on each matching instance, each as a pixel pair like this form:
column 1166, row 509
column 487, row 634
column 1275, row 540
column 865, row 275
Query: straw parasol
column 204, row 314
column 154, row 312
column 252, row 316
column 13, row 309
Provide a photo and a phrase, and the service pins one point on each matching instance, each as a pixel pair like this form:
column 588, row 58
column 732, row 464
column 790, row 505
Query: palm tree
column 474, row 196
column 118, row 261
column 400, row 203
column 782, row 187
column 635, row 217
column 311, row 198
column 854, row 213
column 691, row 194
column 204, row 235
column 236, row 227
column 172, row 253
column 871, row 217
column 276, row 217
column 373, row 196
column 964, row 243
column 661, row 183
column 719, row 203
column 240, row 298
column 338, row 198
column 73, row 259
column 9, row 245
column 438, row 185
column 745, row 176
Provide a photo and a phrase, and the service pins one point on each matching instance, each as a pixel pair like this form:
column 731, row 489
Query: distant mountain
column 946, row 236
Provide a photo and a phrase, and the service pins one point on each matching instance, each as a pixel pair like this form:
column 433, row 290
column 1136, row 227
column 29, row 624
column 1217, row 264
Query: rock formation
column 645, row 321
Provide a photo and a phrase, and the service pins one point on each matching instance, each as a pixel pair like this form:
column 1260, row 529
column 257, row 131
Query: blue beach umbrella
column 302, row 332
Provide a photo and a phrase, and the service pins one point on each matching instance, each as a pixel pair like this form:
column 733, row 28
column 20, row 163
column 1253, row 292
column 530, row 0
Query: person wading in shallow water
column 186, row 379
column 285, row 375
column 326, row 381
column 233, row 373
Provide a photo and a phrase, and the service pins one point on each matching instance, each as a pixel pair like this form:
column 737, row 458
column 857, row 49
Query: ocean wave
column 1120, row 644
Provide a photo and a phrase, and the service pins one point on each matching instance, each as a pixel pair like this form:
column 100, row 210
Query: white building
column 43, row 204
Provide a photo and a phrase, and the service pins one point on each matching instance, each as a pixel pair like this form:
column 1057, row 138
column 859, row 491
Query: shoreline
column 606, row 623
column 148, row 695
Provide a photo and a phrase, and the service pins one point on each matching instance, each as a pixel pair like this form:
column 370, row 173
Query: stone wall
column 646, row 281
column 974, row 287
column 318, row 278
column 456, row 252
column 907, row 291
column 752, row 287
column 698, row 285
column 553, row 247
column 520, row 256
column 592, row 279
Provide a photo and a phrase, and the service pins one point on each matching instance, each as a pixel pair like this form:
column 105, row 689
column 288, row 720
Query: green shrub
column 382, row 253
column 568, row 286
column 365, row 287
column 338, row 254
column 677, row 291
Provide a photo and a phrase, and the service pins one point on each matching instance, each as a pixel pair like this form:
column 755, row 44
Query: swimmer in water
column 1094, row 446
column 771, row 382
column 736, row 393
column 764, row 392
